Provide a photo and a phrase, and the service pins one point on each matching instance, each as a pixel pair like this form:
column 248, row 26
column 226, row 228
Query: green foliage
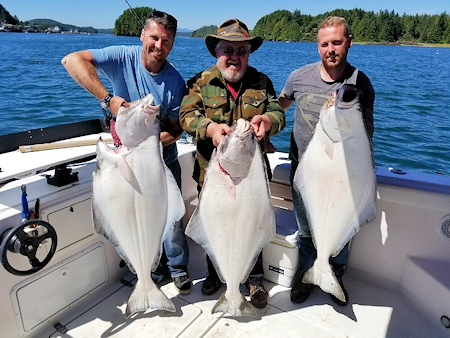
column 6, row 17
column 365, row 26
column 438, row 28
column 282, row 25
column 446, row 37
column 201, row 32
column 127, row 24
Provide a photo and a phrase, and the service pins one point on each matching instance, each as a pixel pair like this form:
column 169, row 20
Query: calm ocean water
column 412, row 129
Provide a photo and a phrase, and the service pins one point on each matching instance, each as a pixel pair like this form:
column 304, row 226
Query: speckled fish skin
column 337, row 182
column 136, row 200
column 234, row 219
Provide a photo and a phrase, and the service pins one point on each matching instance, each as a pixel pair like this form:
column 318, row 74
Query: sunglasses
column 229, row 51
column 159, row 14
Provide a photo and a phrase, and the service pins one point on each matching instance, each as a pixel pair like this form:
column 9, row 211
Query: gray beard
column 231, row 77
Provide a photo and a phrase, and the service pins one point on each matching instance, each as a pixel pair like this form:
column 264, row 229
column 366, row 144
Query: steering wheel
column 25, row 239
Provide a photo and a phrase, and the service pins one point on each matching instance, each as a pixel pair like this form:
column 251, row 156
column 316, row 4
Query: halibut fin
column 142, row 300
column 324, row 277
column 243, row 308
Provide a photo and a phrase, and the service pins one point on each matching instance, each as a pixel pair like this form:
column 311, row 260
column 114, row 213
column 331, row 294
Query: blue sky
column 193, row 14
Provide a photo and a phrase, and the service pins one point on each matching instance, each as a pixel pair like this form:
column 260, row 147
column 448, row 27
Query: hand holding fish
column 216, row 130
column 261, row 124
column 115, row 104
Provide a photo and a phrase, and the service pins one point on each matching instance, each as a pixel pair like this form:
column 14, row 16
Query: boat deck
column 373, row 311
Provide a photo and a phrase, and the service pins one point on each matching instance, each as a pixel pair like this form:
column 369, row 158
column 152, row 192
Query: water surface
column 412, row 131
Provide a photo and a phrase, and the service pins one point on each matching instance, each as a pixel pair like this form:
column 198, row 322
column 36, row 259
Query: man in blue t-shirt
column 134, row 72
column 310, row 87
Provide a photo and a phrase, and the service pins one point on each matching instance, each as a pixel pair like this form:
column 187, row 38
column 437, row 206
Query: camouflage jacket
column 207, row 100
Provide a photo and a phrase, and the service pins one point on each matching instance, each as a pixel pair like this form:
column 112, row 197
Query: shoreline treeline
column 365, row 26
column 283, row 25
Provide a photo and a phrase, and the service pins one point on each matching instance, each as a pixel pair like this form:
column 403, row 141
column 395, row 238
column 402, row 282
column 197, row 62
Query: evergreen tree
column 410, row 24
column 437, row 29
column 367, row 28
column 391, row 27
column 423, row 26
column 128, row 25
column 6, row 17
column 446, row 37
column 281, row 25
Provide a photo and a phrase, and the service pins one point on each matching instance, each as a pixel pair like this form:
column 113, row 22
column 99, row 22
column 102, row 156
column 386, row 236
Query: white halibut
column 136, row 200
column 337, row 182
column 234, row 219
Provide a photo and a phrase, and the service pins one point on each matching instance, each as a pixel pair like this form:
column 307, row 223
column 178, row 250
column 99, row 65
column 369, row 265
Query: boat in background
column 398, row 275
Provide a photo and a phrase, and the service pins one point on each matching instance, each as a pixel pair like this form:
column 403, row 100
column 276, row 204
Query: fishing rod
column 135, row 15
column 109, row 116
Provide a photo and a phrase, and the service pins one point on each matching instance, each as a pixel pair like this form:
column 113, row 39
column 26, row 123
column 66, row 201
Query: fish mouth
column 243, row 128
column 347, row 96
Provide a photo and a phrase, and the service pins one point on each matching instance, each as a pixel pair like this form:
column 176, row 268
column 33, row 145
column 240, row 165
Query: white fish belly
column 338, row 190
column 233, row 222
column 133, row 214
column 240, row 222
column 337, row 183
column 137, row 218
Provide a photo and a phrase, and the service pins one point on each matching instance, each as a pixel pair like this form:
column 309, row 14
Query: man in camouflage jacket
column 208, row 99
column 217, row 97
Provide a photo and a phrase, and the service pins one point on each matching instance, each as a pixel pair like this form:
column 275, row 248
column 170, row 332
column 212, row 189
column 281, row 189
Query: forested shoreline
column 283, row 25
column 365, row 26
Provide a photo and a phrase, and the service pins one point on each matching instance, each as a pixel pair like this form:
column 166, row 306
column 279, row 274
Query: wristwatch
column 104, row 103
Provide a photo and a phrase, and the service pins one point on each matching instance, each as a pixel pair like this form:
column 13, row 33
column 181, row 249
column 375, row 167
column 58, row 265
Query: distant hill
column 45, row 23
column 105, row 31
column 6, row 17
column 201, row 32
column 184, row 32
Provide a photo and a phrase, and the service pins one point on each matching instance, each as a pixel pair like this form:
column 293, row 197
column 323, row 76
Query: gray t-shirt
column 310, row 93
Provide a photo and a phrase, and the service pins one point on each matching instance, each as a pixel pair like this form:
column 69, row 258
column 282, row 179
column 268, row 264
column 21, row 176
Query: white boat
column 398, row 275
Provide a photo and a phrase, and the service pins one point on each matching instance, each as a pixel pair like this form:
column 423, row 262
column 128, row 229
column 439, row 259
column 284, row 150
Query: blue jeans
column 255, row 277
column 308, row 252
column 175, row 245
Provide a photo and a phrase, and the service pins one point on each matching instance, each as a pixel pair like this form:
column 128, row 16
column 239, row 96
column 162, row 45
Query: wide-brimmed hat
column 232, row 30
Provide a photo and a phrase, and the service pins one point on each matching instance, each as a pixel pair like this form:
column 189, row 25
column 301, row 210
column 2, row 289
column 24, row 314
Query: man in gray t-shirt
column 310, row 87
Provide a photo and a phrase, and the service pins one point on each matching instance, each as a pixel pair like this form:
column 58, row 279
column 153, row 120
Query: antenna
column 132, row 11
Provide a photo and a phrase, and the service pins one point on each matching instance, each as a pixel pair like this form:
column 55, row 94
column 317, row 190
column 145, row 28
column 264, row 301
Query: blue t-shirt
column 122, row 65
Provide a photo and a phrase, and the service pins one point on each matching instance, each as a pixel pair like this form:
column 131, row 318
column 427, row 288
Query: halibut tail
column 141, row 300
column 324, row 277
column 237, row 308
